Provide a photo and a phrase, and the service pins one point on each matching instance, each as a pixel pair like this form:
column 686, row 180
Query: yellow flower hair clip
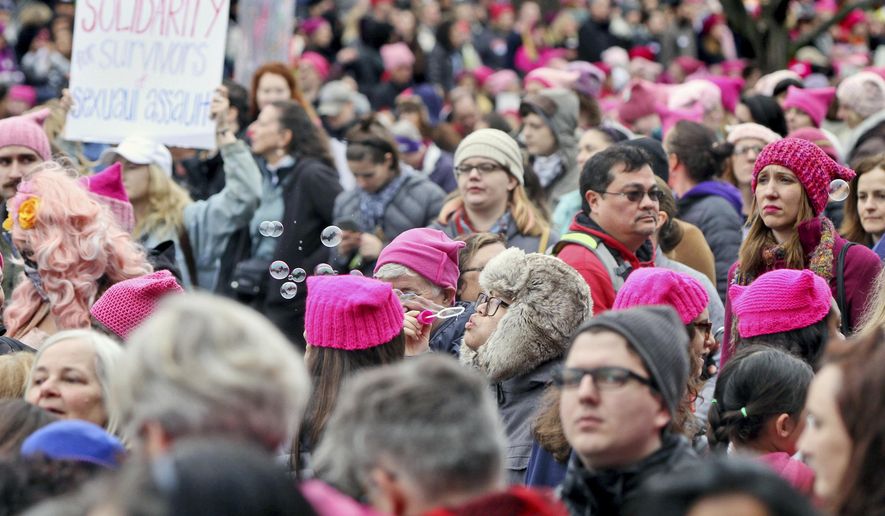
column 27, row 214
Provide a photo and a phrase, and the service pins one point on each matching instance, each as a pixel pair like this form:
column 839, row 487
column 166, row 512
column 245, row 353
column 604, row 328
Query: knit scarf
column 373, row 205
column 464, row 227
column 819, row 261
column 547, row 168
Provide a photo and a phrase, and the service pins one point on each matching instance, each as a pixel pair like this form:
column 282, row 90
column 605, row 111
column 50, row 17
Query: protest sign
column 146, row 67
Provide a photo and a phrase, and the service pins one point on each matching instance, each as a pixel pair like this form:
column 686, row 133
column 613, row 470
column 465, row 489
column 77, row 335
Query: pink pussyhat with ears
column 670, row 117
column 27, row 131
column 780, row 300
column 813, row 102
column 656, row 286
column 107, row 188
column 730, row 88
column 125, row 305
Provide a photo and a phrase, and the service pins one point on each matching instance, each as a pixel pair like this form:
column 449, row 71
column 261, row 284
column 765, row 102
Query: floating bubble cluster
column 331, row 236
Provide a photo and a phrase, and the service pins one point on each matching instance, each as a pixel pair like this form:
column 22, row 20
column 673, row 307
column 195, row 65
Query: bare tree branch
column 740, row 20
column 824, row 26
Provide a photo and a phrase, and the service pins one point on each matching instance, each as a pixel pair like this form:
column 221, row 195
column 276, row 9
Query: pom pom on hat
column 26, row 131
column 813, row 102
column 779, row 301
column 107, row 187
column 125, row 305
column 655, row 286
column 809, row 162
column 351, row 312
column 492, row 144
column 428, row 252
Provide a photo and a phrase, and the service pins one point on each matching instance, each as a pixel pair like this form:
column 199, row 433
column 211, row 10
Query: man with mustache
column 23, row 147
column 609, row 237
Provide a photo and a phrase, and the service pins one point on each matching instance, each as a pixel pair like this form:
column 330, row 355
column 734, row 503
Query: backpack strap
column 840, row 287
column 545, row 236
column 188, row 252
column 616, row 272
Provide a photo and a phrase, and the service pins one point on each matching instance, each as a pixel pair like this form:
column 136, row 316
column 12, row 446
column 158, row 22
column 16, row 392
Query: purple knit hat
column 26, row 131
column 809, row 162
column 654, row 286
column 125, row 305
column 351, row 312
column 429, row 252
column 813, row 102
column 780, row 300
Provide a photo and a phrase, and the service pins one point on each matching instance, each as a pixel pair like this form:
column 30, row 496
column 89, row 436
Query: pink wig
column 77, row 246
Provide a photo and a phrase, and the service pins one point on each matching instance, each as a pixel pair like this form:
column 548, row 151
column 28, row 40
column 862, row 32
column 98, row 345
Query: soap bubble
column 279, row 269
column 298, row 275
column 356, row 272
column 331, row 236
column 839, row 189
column 276, row 228
column 452, row 311
column 323, row 269
column 288, row 290
column 265, row 228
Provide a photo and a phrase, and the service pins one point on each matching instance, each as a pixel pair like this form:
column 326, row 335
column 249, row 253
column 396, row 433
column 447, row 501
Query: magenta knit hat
column 780, row 300
column 730, row 88
column 809, row 162
column 813, row 102
column 107, row 188
column 351, row 312
column 428, row 252
column 125, row 305
column 654, row 286
column 26, row 131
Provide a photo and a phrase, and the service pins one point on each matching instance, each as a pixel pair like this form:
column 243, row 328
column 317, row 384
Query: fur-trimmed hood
column 549, row 300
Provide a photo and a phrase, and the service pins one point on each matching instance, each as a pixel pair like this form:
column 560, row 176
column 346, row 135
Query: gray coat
column 416, row 205
column 721, row 226
column 528, row 243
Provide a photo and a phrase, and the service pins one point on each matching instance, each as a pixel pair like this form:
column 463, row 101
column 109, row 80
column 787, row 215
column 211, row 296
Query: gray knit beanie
column 492, row 144
column 657, row 334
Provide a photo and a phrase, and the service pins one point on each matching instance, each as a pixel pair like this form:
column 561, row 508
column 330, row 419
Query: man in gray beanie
column 621, row 384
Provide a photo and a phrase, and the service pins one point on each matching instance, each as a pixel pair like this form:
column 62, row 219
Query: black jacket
column 612, row 492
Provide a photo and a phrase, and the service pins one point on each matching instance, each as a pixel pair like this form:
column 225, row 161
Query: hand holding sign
column 218, row 111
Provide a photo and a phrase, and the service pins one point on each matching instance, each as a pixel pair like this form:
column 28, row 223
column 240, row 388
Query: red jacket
column 591, row 268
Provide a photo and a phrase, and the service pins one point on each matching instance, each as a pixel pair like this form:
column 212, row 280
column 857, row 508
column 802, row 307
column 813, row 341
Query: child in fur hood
column 531, row 304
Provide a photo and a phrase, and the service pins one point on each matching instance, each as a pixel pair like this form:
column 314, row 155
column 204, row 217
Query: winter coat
column 548, row 303
column 440, row 70
column 715, row 208
column 528, row 243
column 865, row 140
column 439, row 167
column 694, row 251
column 612, row 492
column 416, row 205
column 593, row 39
column 861, row 268
column 543, row 470
column 564, row 126
column 591, row 268
column 447, row 337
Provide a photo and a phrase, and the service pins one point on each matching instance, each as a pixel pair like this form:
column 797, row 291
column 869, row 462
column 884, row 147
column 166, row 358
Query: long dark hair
column 696, row 146
column 757, row 384
column 861, row 401
column 370, row 139
column 766, row 111
column 329, row 368
column 307, row 140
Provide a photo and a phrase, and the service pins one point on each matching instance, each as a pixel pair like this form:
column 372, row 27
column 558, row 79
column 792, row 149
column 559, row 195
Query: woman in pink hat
column 807, row 107
column 787, row 230
column 747, row 140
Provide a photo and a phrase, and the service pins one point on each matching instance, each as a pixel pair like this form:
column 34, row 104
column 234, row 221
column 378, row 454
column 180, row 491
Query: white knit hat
column 493, row 144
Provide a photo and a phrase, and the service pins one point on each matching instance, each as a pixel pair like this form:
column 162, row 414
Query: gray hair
column 392, row 271
column 108, row 355
column 430, row 419
column 206, row 365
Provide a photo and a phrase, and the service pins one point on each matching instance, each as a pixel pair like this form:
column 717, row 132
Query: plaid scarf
column 373, row 205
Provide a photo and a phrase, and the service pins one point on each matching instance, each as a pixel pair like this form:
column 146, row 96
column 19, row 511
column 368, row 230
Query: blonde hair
column 14, row 371
column 760, row 236
column 528, row 218
column 167, row 201
column 873, row 316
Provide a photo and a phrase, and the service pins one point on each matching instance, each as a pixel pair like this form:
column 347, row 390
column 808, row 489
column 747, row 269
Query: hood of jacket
column 860, row 131
column 727, row 191
column 564, row 124
column 549, row 300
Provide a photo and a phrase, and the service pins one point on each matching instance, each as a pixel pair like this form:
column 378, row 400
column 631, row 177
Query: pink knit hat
column 780, row 300
column 351, row 312
column 756, row 131
column 499, row 81
column 819, row 138
column 671, row 117
column 395, row 55
column 107, row 188
column 809, row 162
column 642, row 101
column 730, row 88
column 318, row 62
column 863, row 92
column 551, row 78
column 656, row 286
column 813, row 102
column 125, row 305
column 26, row 131
column 428, row 252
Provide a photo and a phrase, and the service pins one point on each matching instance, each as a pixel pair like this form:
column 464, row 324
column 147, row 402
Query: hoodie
column 563, row 123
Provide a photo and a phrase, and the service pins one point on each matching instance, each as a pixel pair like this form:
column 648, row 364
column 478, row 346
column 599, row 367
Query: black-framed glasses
column 604, row 378
column 704, row 326
column 483, row 168
column 744, row 149
column 637, row 195
column 487, row 306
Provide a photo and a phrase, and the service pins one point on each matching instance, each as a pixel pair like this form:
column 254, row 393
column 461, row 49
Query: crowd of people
column 590, row 258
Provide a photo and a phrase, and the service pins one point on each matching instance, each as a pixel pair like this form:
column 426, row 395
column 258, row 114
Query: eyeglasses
column 487, row 306
column 637, row 195
column 604, row 378
column 744, row 149
column 483, row 168
column 705, row 326
column 472, row 269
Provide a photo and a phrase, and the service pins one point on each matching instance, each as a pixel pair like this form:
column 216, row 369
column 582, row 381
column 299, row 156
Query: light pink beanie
column 26, row 131
column 863, row 92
